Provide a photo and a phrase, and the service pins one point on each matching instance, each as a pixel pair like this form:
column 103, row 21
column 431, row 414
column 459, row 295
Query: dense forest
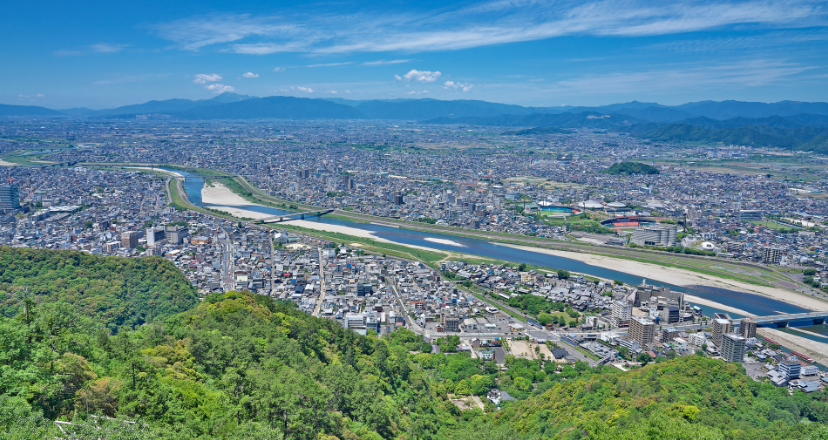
column 243, row 366
column 630, row 168
column 115, row 291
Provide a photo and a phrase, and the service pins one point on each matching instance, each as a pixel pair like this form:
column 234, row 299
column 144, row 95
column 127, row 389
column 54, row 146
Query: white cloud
column 250, row 75
column 482, row 24
column 420, row 76
column 220, row 88
column 303, row 89
column 278, row 69
column 204, row 78
column 398, row 78
column 333, row 92
column 422, row 92
column 384, row 62
column 451, row 85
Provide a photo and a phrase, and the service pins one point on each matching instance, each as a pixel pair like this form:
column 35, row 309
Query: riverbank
column 818, row 351
column 706, row 302
column 681, row 277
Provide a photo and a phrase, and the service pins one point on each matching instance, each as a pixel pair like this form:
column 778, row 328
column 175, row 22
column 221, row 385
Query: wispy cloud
column 482, row 24
column 31, row 98
column 733, row 75
column 278, row 69
column 330, row 64
column 417, row 92
column 250, row 75
column 92, row 48
column 385, row 62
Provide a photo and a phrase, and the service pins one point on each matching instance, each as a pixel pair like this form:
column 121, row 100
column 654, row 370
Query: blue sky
column 543, row 53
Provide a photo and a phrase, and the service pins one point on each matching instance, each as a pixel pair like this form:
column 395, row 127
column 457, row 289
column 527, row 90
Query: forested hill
column 704, row 397
column 241, row 366
column 114, row 291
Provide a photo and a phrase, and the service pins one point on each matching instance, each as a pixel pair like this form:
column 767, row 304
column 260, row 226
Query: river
column 749, row 302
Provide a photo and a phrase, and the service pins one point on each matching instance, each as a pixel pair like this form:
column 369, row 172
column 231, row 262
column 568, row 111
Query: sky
column 95, row 54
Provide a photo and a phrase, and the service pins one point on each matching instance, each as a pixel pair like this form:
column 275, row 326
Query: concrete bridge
column 296, row 216
column 784, row 320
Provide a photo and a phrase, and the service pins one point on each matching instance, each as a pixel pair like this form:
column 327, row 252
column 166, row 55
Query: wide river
column 749, row 302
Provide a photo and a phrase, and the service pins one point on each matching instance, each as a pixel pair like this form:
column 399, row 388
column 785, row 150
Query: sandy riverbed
column 681, row 277
column 172, row 173
column 218, row 194
column 816, row 350
column 3, row 163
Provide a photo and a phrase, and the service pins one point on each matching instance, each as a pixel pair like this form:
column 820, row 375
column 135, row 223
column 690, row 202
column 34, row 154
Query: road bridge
column 785, row 319
column 296, row 216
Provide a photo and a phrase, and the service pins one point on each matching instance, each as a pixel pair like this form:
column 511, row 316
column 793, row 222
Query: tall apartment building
column 721, row 324
column 733, row 347
column 621, row 313
column 747, row 328
column 9, row 198
column 129, row 239
column 655, row 235
column 642, row 330
column 771, row 255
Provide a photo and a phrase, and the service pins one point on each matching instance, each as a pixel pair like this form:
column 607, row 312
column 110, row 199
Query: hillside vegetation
column 116, row 292
column 630, row 168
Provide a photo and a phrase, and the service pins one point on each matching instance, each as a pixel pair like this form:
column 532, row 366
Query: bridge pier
column 782, row 324
column 819, row 321
column 303, row 216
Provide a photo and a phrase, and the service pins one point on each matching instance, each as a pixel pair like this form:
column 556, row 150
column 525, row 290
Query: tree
column 544, row 318
column 644, row 358
column 563, row 274
column 618, row 282
column 522, row 267
column 462, row 388
column 809, row 272
column 624, row 352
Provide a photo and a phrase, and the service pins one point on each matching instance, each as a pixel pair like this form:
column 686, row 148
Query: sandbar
column 158, row 170
column 706, row 302
column 444, row 241
column 217, row 194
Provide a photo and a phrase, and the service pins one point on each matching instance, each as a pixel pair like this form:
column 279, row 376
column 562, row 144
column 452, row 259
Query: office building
column 721, row 324
column 398, row 199
column 747, row 215
column 176, row 234
column 642, row 330
column 747, row 328
column 790, row 369
column 655, row 235
column 621, row 313
column 771, row 255
column 347, row 182
column 303, row 174
column 733, row 347
column 154, row 236
column 9, row 198
column 129, row 239
column 354, row 321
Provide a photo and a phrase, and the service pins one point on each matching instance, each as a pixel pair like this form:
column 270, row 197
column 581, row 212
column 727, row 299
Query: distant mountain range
column 785, row 124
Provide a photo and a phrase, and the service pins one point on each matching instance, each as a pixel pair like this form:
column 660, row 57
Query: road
column 321, row 284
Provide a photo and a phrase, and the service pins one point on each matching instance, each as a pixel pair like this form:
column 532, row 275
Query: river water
column 751, row 303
